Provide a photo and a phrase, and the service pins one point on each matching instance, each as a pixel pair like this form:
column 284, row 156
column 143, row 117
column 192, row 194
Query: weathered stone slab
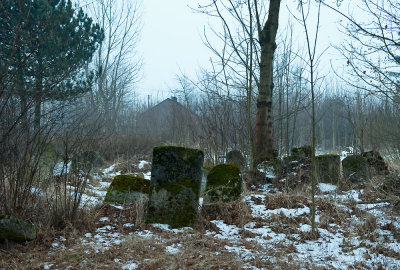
column 224, row 183
column 16, row 230
column 328, row 167
column 127, row 189
column 175, row 186
column 355, row 168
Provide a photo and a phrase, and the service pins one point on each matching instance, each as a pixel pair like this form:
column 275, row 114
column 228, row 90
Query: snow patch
column 104, row 219
column 165, row 227
column 142, row 163
column 226, row 231
column 174, row 249
column 326, row 188
column 130, row 266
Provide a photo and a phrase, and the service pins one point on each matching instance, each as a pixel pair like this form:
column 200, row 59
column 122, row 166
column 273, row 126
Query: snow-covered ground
column 274, row 234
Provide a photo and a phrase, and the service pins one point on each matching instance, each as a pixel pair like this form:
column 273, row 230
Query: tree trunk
column 38, row 98
column 263, row 133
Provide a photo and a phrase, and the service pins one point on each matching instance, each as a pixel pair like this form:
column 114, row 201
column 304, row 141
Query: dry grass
column 235, row 213
column 198, row 250
column 331, row 213
column 130, row 166
column 285, row 200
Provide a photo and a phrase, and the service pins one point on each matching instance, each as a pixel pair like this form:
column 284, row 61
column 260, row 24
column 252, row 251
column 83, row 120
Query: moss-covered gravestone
column 224, row 183
column 375, row 162
column 236, row 157
column 175, row 186
column 328, row 167
column 127, row 189
column 16, row 230
column 355, row 168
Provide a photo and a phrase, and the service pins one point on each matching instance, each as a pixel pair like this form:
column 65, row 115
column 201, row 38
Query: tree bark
column 263, row 133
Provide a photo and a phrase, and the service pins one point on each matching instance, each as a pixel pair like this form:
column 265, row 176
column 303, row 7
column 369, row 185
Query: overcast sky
column 171, row 41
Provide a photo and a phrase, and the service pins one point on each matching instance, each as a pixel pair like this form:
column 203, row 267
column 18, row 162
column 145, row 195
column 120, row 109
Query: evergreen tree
column 45, row 44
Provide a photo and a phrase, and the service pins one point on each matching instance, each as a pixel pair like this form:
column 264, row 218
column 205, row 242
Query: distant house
column 169, row 122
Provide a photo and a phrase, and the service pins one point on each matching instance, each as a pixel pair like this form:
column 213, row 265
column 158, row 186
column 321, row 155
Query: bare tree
column 116, row 63
column 312, row 61
column 372, row 50
column 250, row 16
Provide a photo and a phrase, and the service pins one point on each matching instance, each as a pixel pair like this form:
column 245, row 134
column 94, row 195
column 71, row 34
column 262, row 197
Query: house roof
column 167, row 104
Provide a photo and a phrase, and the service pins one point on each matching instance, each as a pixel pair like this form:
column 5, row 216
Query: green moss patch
column 208, row 168
column 184, row 154
column 127, row 189
column 328, row 167
column 48, row 160
column 224, row 183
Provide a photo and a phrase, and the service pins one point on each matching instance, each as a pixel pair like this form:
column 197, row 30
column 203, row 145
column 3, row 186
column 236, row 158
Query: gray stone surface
column 175, row 186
